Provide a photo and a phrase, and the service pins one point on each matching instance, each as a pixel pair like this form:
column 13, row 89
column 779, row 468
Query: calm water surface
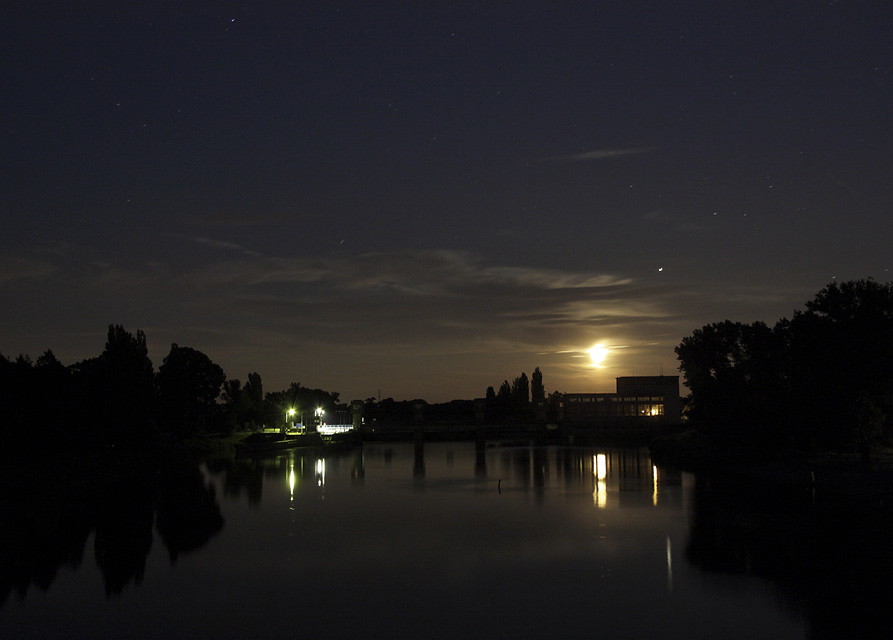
column 394, row 540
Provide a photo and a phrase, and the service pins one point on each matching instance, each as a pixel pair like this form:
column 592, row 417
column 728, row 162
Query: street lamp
column 288, row 414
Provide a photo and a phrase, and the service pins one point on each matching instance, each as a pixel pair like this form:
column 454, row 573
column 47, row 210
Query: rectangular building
column 638, row 398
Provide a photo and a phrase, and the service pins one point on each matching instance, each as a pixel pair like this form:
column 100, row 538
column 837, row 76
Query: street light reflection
column 320, row 472
column 654, row 482
column 600, row 467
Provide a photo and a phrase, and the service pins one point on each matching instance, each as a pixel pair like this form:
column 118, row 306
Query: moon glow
column 598, row 353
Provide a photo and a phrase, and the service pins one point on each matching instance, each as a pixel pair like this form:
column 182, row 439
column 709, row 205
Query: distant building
column 638, row 398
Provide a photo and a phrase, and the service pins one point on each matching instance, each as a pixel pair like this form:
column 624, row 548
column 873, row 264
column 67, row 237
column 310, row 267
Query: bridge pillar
column 356, row 412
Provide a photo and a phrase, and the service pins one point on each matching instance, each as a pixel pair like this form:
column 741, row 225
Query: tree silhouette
column 733, row 373
column 254, row 392
column 189, row 385
column 821, row 379
column 840, row 353
column 521, row 391
column 537, row 389
column 121, row 387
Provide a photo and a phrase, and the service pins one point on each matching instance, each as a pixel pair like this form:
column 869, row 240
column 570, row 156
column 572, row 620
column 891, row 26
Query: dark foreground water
column 396, row 540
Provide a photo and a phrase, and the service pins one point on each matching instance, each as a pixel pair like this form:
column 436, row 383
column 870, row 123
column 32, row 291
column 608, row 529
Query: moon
column 598, row 354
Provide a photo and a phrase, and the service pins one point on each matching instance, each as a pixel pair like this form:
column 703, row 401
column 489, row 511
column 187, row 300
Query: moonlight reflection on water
column 426, row 541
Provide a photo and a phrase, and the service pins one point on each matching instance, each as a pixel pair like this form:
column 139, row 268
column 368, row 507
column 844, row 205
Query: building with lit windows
column 638, row 398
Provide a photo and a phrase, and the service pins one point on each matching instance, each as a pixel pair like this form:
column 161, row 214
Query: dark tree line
column 821, row 379
column 108, row 400
column 245, row 404
column 522, row 400
column 399, row 413
column 117, row 399
column 302, row 400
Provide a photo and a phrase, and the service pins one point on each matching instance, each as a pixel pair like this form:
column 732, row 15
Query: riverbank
column 829, row 477
column 632, row 436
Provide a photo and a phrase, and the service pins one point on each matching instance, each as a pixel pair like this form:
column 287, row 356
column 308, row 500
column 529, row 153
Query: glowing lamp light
column 332, row 429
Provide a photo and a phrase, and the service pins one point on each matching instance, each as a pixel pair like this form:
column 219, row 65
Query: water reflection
column 320, row 472
column 418, row 467
column 47, row 522
column 358, row 469
column 669, row 565
column 831, row 556
column 480, row 460
column 654, row 483
column 615, row 478
column 504, row 539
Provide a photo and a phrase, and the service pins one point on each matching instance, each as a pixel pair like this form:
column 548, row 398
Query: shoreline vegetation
column 817, row 383
column 820, row 381
column 803, row 406
column 831, row 474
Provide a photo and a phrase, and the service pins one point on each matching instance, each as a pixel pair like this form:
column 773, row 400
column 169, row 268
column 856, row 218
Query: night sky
column 423, row 199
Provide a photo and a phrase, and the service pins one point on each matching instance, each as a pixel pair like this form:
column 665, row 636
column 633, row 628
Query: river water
column 444, row 540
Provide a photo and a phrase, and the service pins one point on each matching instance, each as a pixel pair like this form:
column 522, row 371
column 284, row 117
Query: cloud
column 417, row 300
column 408, row 273
column 602, row 154
column 425, row 301
column 15, row 267
column 232, row 218
column 222, row 244
column 551, row 278
column 373, row 316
